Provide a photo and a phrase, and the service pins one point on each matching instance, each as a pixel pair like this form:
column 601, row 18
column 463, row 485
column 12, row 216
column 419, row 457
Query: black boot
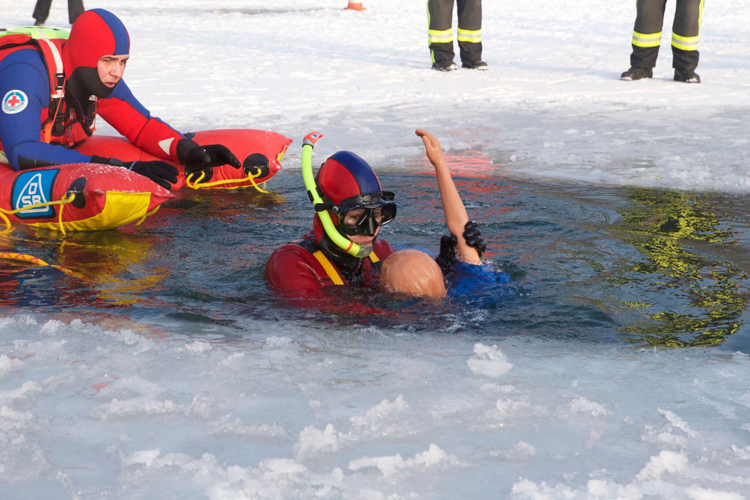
column 687, row 76
column 444, row 66
column 481, row 65
column 637, row 74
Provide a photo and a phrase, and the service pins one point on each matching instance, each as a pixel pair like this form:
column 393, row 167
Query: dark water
column 622, row 265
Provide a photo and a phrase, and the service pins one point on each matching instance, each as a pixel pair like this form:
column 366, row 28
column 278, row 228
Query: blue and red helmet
column 353, row 190
column 96, row 33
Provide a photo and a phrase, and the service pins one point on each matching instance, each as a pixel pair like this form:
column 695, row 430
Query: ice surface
column 93, row 408
column 299, row 413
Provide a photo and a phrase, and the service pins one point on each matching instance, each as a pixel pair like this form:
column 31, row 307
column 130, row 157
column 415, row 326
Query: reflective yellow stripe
column 374, row 258
column 685, row 42
column 471, row 36
column 328, row 267
column 646, row 39
column 438, row 36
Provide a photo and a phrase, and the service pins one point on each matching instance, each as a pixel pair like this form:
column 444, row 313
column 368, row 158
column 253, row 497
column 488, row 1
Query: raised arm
column 455, row 212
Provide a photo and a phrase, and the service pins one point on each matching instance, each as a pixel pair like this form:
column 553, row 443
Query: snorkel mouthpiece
column 321, row 208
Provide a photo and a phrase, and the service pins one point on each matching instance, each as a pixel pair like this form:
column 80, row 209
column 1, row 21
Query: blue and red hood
column 96, row 33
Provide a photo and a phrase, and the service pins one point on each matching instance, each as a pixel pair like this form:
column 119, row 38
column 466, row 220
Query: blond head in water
column 413, row 273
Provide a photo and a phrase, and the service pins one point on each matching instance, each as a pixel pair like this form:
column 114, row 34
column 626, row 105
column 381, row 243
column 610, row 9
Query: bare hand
column 432, row 147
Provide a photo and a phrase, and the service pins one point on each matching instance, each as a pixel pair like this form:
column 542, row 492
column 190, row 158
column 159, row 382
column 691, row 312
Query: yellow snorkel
column 321, row 208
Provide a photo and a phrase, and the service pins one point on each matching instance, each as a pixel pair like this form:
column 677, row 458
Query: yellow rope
column 39, row 262
column 148, row 214
column 198, row 185
column 68, row 198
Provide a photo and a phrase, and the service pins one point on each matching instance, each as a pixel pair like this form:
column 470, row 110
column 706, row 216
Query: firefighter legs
column 685, row 33
column 647, row 33
column 440, row 34
column 75, row 9
column 41, row 10
column 470, row 32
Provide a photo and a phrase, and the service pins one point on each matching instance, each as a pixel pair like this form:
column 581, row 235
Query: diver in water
column 343, row 247
column 52, row 89
column 412, row 272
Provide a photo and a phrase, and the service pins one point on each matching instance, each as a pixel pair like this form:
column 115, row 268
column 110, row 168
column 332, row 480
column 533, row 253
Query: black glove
column 447, row 256
column 161, row 172
column 204, row 158
column 473, row 237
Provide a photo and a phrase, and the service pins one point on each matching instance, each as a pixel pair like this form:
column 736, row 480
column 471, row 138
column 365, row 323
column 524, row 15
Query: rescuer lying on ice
column 52, row 90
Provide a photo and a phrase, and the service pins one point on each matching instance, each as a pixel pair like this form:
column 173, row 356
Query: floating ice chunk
column 506, row 408
column 598, row 488
column 51, row 327
column 529, row 490
column 278, row 341
column 492, row 387
column 521, row 451
column 583, row 405
column 665, row 436
column 142, row 343
column 392, row 464
column 696, row 493
column 7, row 365
column 665, row 462
column 742, row 453
column 237, row 428
column 233, row 361
column 28, row 388
column 198, row 346
column 678, row 423
column 314, row 442
column 136, row 406
column 143, row 457
column 491, row 362
column 381, row 420
column 146, row 401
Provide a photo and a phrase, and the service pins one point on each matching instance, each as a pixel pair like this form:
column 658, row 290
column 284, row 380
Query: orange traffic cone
column 355, row 5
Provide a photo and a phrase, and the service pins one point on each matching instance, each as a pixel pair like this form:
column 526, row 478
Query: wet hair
column 413, row 273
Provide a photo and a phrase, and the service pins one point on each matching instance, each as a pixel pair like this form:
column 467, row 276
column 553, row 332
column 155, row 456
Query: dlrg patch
column 32, row 188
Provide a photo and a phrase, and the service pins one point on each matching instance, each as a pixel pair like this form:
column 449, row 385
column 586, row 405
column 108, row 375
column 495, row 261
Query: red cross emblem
column 14, row 102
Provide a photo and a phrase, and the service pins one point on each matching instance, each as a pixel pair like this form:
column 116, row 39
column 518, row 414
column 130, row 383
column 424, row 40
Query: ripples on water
column 594, row 263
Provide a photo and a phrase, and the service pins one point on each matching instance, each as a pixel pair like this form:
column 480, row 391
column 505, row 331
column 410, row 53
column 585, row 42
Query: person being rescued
column 53, row 89
column 413, row 272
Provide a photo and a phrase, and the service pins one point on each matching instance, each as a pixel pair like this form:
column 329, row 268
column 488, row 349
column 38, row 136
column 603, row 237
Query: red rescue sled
column 77, row 197
column 92, row 197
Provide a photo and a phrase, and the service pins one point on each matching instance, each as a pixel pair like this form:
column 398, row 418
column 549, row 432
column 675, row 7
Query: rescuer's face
column 111, row 69
column 361, row 239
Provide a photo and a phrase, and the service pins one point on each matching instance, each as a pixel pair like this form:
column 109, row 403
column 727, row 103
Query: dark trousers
column 41, row 11
column 685, row 32
column 440, row 14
